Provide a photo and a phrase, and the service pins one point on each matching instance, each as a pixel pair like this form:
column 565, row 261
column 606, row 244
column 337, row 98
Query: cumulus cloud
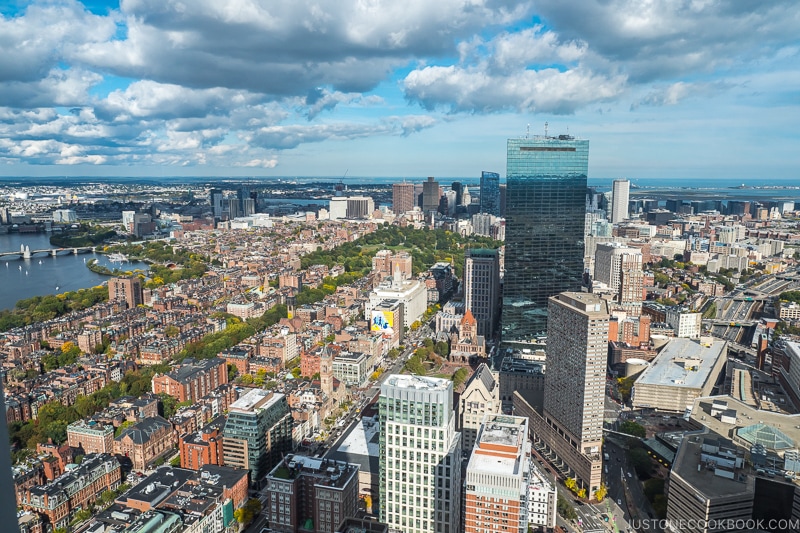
column 661, row 39
column 286, row 47
column 170, row 82
column 513, row 72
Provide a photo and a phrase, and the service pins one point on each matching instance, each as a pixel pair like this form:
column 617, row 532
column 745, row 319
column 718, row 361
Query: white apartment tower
column 620, row 191
column 420, row 456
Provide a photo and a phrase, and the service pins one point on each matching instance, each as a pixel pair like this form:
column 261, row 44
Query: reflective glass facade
column 490, row 193
column 545, row 208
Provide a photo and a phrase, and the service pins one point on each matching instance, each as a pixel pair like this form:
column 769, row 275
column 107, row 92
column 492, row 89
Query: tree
column 122, row 427
column 168, row 404
column 601, row 493
column 459, row 377
column 107, row 497
column 640, row 461
column 565, row 509
column 632, row 428
column 247, row 512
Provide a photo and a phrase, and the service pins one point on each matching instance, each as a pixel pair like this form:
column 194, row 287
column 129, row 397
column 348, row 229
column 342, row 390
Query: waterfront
column 45, row 274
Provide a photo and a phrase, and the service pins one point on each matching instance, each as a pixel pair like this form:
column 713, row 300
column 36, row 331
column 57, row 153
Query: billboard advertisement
column 383, row 321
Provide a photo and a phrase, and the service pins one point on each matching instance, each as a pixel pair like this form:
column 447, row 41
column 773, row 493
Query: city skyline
column 145, row 89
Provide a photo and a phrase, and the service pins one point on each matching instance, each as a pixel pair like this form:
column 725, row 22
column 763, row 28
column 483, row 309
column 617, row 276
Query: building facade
column 127, row 289
column 430, row 195
column 192, row 380
column 74, row 490
column 402, row 198
column 490, row 193
column 145, row 441
column 258, row 432
column 545, row 211
column 482, row 288
column 310, row 495
column 620, row 191
column 420, row 456
column 496, row 483
column 91, row 436
column 481, row 397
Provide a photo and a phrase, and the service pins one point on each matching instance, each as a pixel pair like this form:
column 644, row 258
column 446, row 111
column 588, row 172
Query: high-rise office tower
column 216, row 198
column 545, row 208
column 620, row 192
column 490, row 193
column 574, row 386
column 420, row 456
column 233, row 208
column 402, row 197
column 430, row 196
column 496, row 494
column 482, row 287
column 458, row 187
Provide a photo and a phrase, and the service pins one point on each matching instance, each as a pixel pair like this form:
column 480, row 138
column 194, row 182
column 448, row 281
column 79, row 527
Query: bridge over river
column 25, row 252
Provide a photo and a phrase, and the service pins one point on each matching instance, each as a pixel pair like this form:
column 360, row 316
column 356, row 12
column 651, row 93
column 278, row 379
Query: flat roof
column 688, row 466
column 256, row 398
column 504, row 430
column 683, row 363
column 361, row 445
column 504, row 466
column 417, row 382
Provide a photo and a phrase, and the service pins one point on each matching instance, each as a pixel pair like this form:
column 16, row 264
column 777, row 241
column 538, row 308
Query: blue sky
column 666, row 88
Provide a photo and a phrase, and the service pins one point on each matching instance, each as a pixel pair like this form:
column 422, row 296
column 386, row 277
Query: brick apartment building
column 192, row 380
column 77, row 489
column 203, row 447
column 91, row 436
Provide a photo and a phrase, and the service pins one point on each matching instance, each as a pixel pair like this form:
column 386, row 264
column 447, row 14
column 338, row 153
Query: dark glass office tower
column 490, row 193
column 545, row 210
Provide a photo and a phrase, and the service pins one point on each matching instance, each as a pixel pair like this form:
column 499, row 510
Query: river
column 45, row 274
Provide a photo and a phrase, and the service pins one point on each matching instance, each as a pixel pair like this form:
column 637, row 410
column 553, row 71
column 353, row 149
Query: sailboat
column 20, row 267
column 40, row 261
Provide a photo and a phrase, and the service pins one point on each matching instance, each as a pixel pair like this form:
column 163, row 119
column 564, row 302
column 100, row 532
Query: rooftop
column 696, row 466
column 683, row 363
column 327, row 472
column 256, row 399
column 417, row 382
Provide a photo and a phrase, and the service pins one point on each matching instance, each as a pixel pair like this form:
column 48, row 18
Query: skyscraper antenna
column 528, row 131
column 545, row 129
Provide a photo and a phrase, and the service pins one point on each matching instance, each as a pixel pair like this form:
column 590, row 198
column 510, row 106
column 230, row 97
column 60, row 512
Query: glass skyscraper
column 545, row 208
column 490, row 193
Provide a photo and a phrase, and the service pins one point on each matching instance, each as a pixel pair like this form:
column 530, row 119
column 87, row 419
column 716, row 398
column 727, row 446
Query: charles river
column 44, row 274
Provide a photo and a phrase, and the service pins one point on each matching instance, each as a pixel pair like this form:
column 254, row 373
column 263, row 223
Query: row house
column 270, row 365
column 77, row 489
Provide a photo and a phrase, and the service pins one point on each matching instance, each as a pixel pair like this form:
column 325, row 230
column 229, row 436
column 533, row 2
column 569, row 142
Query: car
column 619, row 502
column 629, row 474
